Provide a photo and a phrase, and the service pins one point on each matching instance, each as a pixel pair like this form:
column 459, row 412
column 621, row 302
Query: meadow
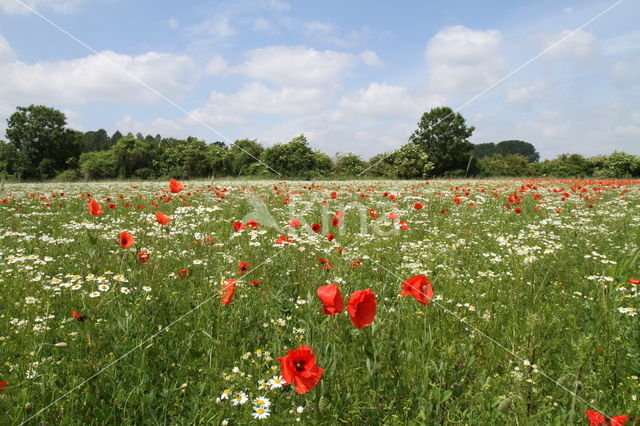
column 113, row 314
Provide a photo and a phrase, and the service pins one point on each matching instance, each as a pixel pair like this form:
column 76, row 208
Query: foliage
column 43, row 146
column 443, row 135
column 132, row 153
column 98, row 165
column 505, row 148
column 292, row 159
column 182, row 159
column 617, row 165
column 349, row 165
column 243, row 154
column 509, row 165
column 564, row 166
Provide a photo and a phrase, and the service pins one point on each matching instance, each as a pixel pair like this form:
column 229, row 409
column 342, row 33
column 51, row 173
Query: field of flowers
column 365, row 302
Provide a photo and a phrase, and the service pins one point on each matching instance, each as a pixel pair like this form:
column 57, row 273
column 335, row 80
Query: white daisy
column 260, row 413
column 225, row 394
column 277, row 382
column 240, row 399
column 262, row 401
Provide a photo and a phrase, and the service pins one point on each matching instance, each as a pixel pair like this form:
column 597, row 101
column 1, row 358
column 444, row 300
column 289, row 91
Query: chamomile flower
column 277, row 382
column 225, row 394
column 262, row 401
column 260, row 413
column 240, row 399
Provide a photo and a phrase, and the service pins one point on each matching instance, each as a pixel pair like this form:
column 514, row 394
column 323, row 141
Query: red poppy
column 331, row 299
column 597, row 419
column 255, row 283
column 373, row 214
column 327, row 264
column 243, row 267
column 126, row 239
column 392, row 216
column 316, row 227
column 299, row 368
column 228, row 290
column 403, row 226
column 418, row 287
column 284, row 240
column 252, row 224
column 2, row 385
column 518, row 210
column 635, row 281
column 330, row 237
column 335, row 221
column 418, row 206
column 76, row 315
column 143, row 256
column 443, row 211
column 112, row 206
column 175, row 186
column 362, row 307
column 334, row 195
column 183, row 273
column 94, row 208
column 162, row 218
column 355, row 264
column 294, row 223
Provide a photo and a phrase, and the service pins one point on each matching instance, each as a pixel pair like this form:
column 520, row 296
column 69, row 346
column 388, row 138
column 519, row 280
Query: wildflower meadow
column 357, row 303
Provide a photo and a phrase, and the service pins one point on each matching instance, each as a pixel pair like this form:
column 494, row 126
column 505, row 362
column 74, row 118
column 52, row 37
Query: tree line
column 39, row 146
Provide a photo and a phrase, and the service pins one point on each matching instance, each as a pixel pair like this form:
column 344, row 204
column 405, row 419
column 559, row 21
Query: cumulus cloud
column 61, row 6
column 526, row 91
column 370, row 58
column 218, row 27
column 625, row 73
column 579, row 45
column 216, row 65
column 460, row 59
column 159, row 126
column 107, row 76
column 6, row 53
column 383, row 101
column 298, row 66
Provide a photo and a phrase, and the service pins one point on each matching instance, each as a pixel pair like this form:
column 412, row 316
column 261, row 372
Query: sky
column 352, row 76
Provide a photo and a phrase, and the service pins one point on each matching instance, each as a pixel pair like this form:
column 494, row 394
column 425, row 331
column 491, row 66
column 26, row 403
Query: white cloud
column 173, row 23
column 370, row 58
column 460, row 59
column 6, row 53
column 255, row 97
column 383, row 101
column 262, row 24
column 161, row 126
column 216, row 65
column 218, row 27
column 96, row 78
column 61, row 6
column 626, row 73
column 526, row 91
column 298, row 66
column 622, row 44
column 579, row 45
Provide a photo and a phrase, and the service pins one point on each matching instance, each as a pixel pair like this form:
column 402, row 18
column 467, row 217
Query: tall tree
column 516, row 147
column 443, row 135
column 245, row 154
column 43, row 145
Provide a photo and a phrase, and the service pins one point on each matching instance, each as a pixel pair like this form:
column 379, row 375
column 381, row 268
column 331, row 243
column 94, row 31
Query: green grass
column 533, row 319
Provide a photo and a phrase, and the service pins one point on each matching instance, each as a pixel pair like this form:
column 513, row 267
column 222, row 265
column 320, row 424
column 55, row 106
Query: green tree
column 516, row 147
column 564, row 166
column 182, row 158
column 410, row 162
column 443, row 135
column 508, row 165
column 292, row 159
column 617, row 165
column 98, row 165
column 135, row 157
column 482, row 150
column 349, row 164
column 96, row 141
column 43, row 145
column 219, row 159
column 243, row 154
column 7, row 157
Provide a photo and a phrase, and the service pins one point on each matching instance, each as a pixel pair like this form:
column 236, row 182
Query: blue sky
column 352, row 76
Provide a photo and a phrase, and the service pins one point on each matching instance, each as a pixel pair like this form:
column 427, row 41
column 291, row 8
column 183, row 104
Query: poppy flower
column 252, row 224
column 335, row 222
column 284, row 240
column 175, row 186
column 162, row 218
column 143, row 256
column 316, row 227
column 418, row 287
column 392, row 216
column 355, row 264
column 635, row 281
column 403, row 226
column 331, row 299
column 2, row 385
column 126, row 239
column 330, row 237
column 238, row 226
column 76, row 315
column 362, row 307
column 294, row 223
column 327, row 264
column 418, row 206
column 94, row 208
column 299, row 369
column 112, row 206
column 255, row 283
column 597, row 419
column 334, row 195
column 183, row 273
column 373, row 214
column 243, row 267
column 228, row 290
